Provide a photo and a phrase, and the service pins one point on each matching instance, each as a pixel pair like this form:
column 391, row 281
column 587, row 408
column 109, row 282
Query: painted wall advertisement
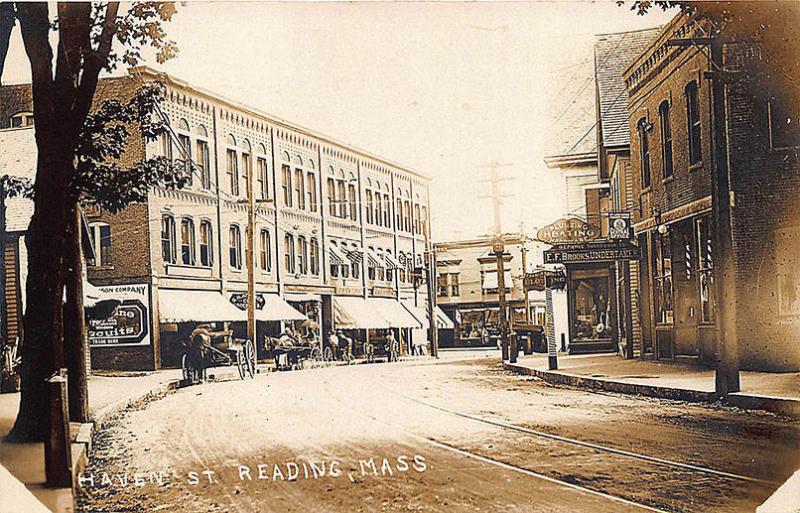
column 129, row 323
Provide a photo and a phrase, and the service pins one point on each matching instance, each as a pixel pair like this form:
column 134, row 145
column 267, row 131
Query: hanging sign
column 239, row 300
column 568, row 230
column 619, row 226
column 541, row 280
column 128, row 324
column 606, row 251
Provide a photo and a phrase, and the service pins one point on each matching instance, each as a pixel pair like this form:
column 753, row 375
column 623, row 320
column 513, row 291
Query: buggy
column 206, row 348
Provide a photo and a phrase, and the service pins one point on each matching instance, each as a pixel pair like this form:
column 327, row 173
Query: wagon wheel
column 328, row 354
column 250, row 358
column 240, row 363
column 316, row 354
column 394, row 353
column 348, row 357
column 188, row 372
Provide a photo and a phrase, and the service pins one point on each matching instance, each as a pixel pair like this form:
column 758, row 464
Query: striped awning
column 391, row 263
column 354, row 255
column 336, row 256
column 373, row 259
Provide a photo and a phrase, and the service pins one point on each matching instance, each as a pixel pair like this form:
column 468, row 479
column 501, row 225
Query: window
column 784, row 125
column 644, row 152
column 263, row 178
column 380, row 271
column 387, row 211
column 165, row 144
column 299, row 189
column 342, row 196
column 101, row 240
column 187, row 241
column 21, row 119
column 416, row 217
column 265, row 253
column 314, row 257
column 203, row 162
column 351, row 194
column 425, row 221
column 355, row 266
column 311, row 191
column 705, row 268
column 666, row 140
column 235, row 247
column 455, row 289
column 233, row 172
column 206, row 244
column 246, row 164
column 378, row 212
column 168, row 248
column 368, row 210
column 332, row 196
column 398, row 215
column 662, row 278
column 185, row 143
column 286, row 184
column 288, row 253
column 334, row 266
column 302, row 255
column 693, row 119
column 441, row 285
column 407, row 216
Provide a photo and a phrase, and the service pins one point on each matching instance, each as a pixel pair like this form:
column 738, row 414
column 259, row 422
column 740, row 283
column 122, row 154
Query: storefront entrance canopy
column 276, row 309
column 196, row 306
column 443, row 322
column 394, row 313
column 357, row 313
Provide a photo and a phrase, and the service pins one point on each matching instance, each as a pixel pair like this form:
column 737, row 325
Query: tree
column 91, row 38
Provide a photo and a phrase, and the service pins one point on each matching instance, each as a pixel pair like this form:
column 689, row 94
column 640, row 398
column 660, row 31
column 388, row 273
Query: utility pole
column 499, row 251
column 727, row 357
column 251, row 267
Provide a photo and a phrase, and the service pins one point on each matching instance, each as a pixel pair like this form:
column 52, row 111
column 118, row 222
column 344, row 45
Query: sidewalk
column 777, row 392
column 25, row 462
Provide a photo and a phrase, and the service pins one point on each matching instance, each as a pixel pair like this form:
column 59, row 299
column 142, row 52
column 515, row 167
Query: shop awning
column 490, row 280
column 421, row 314
column 391, row 263
column 356, row 313
column 443, row 321
column 373, row 259
column 276, row 309
column 354, row 255
column 394, row 313
column 196, row 306
column 337, row 258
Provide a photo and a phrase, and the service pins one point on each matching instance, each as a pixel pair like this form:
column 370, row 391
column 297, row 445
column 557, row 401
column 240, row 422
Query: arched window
column 165, row 141
column 380, row 271
column 351, row 197
column 666, row 140
column 168, row 243
column 232, row 166
column 235, row 247
column 314, row 257
column 302, row 255
column 644, row 152
column 416, row 218
column 693, row 119
column 299, row 184
column 387, row 210
column 407, row 215
column 206, row 244
column 398, row 214
column 368, row 203
column 101, row 240
column 355, row 265
column 341, row 194
column 389, row 267
column 311, row 190
column 288, row 253
column 262, row 173
column 247, row 165
column 425, row 220
column 203, row 158
column 187, row 241
column 265, row 251
column 202, row 131
column 332, row 196
column 185, row 149
column 370, row 268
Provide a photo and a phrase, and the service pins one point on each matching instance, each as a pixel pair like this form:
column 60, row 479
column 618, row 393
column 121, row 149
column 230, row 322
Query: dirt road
column 460, row 435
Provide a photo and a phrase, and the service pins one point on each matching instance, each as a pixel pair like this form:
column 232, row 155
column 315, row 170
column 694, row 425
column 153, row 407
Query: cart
column 293, row 357
column 217, row 349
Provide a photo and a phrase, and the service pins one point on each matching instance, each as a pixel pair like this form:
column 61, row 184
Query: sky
column 443, row 88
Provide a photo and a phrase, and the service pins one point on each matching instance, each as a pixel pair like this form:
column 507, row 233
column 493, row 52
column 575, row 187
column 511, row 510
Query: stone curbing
column 780, row 405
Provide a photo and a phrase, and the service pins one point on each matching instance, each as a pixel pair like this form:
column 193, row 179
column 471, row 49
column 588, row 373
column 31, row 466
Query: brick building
column 670, row 117
column 339, row 231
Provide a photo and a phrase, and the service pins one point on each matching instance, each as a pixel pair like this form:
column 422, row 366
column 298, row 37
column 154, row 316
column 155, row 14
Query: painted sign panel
column 542, row 280
column 619, row 226
column 128, row 324
column 568, row 230
column 239, row 300
column 598, row 252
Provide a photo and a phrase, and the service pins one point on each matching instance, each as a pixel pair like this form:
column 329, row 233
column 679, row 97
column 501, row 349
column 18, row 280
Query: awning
column 373, row 259
column 276, row 309
column 421, row 314
column 337, row 258
column 443, row 321
column 354, row 255
column 356, row 313
column 301, row 296
column 394, row 313
column 490, row 280
column 391, row 263
column 196, row 306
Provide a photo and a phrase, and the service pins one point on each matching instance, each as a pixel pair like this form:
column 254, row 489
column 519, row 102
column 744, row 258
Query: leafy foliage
column 100, row 177
column 16, row 187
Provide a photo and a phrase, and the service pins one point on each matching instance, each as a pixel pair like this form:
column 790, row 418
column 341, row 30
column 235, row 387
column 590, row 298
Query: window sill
column 646, row 190
column 108, row 267
column 670, row 178
column 696, row 166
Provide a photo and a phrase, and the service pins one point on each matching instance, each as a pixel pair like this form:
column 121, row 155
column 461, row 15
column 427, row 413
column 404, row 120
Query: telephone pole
column 251, row 261
column 499, row 252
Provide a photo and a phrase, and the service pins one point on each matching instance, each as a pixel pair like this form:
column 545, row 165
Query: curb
column 779, row 405
column 563, row 378
column 82, row 444
column 786, row 499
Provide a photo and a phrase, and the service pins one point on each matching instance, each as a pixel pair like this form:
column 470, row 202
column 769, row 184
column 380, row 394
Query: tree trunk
column 42, row 349
column 75, row 342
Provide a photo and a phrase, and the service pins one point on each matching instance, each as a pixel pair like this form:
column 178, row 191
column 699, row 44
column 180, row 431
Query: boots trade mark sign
column 128, row 323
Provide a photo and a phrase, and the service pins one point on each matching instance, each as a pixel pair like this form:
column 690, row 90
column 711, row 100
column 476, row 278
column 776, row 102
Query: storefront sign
column 541, row 280
column 568, row 230
column 591, row 252
column 239, row 300
column 619, row 226
column 128, row 324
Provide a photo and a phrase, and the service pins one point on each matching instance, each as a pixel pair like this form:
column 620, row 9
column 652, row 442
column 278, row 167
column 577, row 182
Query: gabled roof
column 612, row 54
column 18, row 158
column 571, row 112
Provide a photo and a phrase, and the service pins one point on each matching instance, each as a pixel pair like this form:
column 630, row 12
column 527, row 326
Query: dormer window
column 21, row 119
